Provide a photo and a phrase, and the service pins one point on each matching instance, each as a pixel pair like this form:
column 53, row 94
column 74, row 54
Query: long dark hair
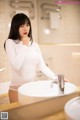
column 18, row 20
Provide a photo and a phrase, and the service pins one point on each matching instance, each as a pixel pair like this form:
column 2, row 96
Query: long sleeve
column 42, row 66
column 15, row 59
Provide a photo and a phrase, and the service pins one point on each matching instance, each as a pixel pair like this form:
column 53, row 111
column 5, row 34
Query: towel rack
column 23, row 5
column 47, row 8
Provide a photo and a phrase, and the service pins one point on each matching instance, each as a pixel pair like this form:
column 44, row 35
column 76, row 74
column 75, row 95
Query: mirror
column 66, row 31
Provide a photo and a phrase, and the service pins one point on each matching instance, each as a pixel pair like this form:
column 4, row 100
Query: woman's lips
column 25, row 33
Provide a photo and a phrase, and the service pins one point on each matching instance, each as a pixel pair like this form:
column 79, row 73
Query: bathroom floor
column 4, row 99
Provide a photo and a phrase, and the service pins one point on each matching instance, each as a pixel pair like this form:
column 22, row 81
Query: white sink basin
column 72, row 109
column 39, row 90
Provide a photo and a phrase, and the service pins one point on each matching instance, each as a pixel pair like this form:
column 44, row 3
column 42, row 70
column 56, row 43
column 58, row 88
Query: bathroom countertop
column 57, row 116
column 33, row 108
column 8, row 106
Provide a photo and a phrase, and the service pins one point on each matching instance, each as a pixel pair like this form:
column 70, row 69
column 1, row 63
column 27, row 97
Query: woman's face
column 24, row 30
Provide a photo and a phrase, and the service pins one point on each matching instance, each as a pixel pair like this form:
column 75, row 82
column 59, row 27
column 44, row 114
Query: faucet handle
column 55, row 80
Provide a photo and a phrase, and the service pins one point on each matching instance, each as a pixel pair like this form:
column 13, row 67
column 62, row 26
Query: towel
column 54, row 20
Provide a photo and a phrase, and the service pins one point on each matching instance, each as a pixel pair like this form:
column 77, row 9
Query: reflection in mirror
column 59, row 21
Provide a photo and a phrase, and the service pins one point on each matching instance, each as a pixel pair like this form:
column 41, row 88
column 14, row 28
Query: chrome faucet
column 60, row 81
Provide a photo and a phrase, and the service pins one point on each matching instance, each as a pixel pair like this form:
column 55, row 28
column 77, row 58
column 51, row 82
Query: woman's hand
column 66, row 80
column 26, row 40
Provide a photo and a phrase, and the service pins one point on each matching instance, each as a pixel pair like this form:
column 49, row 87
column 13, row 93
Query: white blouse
column 24, row 61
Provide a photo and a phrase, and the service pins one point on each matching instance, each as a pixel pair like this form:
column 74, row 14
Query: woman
column 23, row 55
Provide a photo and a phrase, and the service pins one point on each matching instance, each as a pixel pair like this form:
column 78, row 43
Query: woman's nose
column 25, row 28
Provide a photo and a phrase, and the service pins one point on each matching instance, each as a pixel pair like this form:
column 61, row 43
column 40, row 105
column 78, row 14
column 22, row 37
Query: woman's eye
column 27, row 25
column 21, row 25
column 24, row 25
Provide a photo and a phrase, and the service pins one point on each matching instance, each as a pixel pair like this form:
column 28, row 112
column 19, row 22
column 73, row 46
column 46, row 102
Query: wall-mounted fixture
column 47, row 8
column 23, row 6
column 52, row 12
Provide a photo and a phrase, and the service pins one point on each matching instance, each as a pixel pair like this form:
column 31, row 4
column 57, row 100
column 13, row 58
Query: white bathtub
column 4, row 87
